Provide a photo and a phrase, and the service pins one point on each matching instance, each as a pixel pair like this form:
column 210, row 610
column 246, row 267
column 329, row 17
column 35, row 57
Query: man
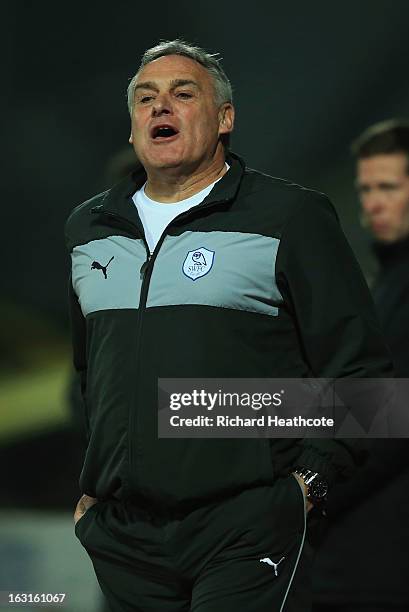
column 371, row 510
column 205, row 524
column 383, row 186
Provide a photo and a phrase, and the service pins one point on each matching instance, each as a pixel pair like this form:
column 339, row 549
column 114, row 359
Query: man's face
column 175, row 120
column 383, row 186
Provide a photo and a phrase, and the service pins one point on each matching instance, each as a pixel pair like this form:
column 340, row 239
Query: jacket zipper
column 146, row 273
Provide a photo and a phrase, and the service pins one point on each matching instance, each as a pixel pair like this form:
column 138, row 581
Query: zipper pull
column 144, row 266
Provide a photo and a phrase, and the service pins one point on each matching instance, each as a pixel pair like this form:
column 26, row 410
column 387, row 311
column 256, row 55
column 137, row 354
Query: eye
column 184, row 95
column 389, row 186
column 145, row 99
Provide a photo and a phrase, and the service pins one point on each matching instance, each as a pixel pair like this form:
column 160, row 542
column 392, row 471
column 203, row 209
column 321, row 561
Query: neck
column 175, row 184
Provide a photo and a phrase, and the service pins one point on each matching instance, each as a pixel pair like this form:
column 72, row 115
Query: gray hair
column 210, row 61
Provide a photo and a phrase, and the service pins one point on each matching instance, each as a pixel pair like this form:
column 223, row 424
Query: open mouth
column 163, row 131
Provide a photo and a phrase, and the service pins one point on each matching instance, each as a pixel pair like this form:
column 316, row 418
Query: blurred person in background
column 368, row 517
column 383, row 185
column 166, row 528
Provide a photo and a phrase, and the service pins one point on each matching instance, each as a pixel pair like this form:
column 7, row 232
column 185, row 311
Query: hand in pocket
column 83, row 505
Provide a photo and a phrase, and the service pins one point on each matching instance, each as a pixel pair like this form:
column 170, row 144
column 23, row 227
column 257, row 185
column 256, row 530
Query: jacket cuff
column 335, row 459
column 316, row 461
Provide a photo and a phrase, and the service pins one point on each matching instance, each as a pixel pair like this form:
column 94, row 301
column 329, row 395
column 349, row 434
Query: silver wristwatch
column 317, row 487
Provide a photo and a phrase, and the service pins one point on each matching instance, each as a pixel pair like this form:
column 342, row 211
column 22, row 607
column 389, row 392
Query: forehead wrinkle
column 181, row 82
column 147, row 85
column 174, row 83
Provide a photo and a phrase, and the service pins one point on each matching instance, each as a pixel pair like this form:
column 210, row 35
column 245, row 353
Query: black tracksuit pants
column 246, row 553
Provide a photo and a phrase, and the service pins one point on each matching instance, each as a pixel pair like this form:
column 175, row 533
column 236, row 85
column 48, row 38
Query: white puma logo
column 270, row 562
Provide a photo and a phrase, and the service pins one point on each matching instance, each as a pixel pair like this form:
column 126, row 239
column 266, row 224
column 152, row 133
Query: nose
column 161, row 106
column 372, row 202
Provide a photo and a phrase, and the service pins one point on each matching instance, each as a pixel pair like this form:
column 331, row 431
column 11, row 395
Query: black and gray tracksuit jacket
column 282, row 298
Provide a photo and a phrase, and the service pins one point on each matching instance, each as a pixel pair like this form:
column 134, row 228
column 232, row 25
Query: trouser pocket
column 80, row 525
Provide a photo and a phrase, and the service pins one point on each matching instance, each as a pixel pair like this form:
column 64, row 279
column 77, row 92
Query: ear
column 130, row 139
column 226, row 118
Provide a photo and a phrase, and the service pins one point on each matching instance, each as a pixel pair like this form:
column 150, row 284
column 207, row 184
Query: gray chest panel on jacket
column 106, row 273
column 223, row 269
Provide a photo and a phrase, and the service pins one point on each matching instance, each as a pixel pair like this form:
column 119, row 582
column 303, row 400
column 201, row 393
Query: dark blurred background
column 308, row 77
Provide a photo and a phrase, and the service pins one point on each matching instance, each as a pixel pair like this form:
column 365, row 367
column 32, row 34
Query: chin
column 165, row 161
column 386, row 238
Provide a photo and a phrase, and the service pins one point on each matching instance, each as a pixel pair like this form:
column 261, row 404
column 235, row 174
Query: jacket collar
column 118, row 199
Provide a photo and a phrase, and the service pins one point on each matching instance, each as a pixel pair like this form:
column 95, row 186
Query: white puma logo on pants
column 270, row 562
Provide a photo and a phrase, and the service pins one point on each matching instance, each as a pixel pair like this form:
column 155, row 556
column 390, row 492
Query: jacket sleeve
column 323, row 288
column 78, row 334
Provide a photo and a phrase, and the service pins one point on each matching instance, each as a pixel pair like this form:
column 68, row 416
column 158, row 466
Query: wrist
column 316, row 487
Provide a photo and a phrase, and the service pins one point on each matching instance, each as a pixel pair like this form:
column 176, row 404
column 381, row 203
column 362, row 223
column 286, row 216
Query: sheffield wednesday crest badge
column 198, row 263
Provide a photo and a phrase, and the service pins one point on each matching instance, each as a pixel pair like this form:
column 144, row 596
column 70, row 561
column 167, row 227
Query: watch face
column 318, row 489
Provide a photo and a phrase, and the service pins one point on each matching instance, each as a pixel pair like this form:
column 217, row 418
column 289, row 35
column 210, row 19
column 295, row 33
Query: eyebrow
column 173, row 84
column 378, row 184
